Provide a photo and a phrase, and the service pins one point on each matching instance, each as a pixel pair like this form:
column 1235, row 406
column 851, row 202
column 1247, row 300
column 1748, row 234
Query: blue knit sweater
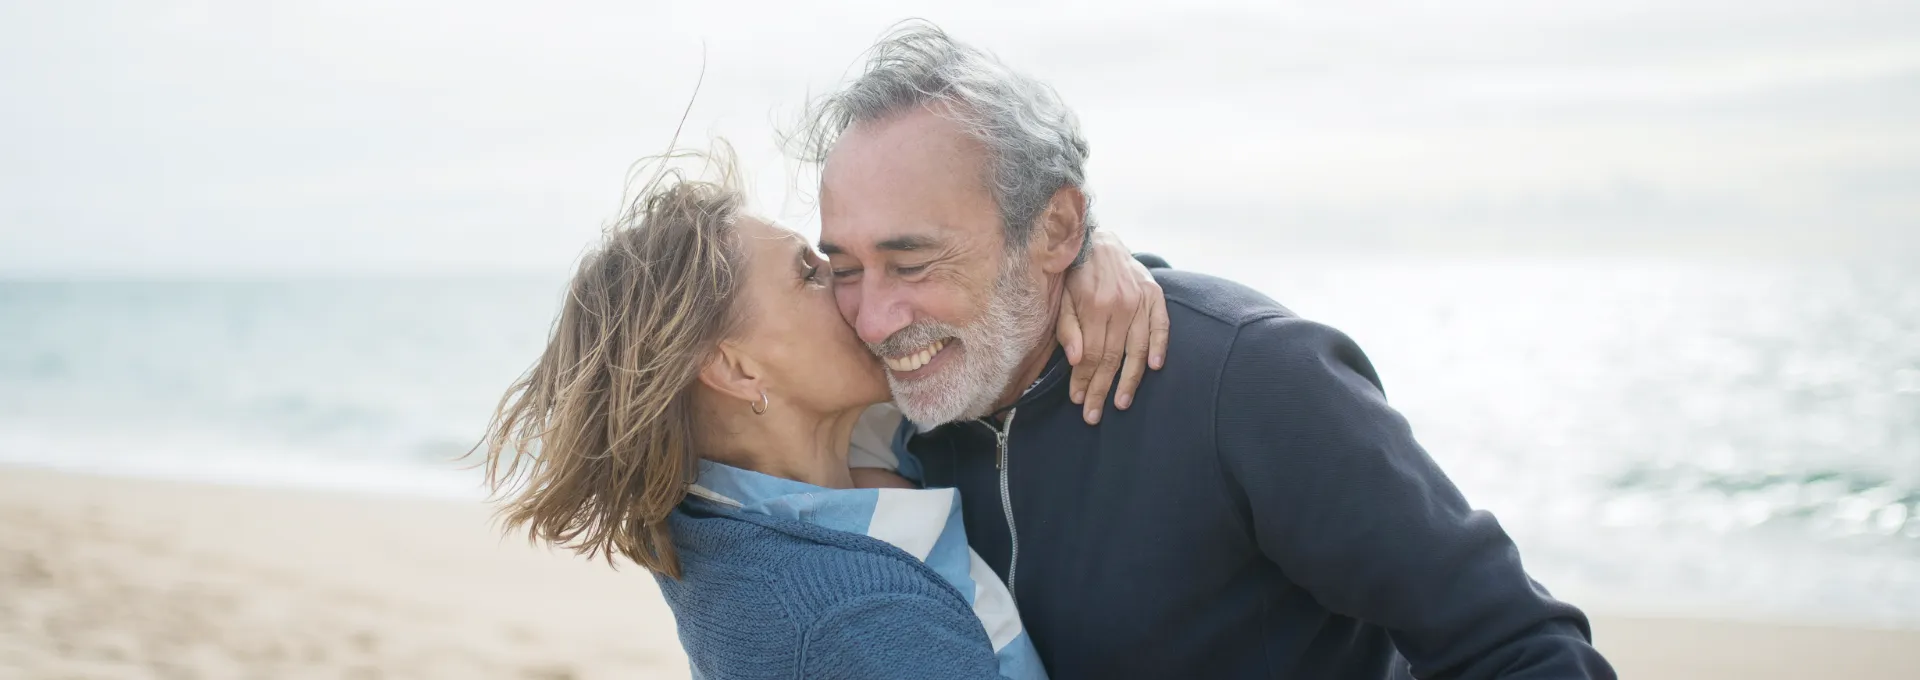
column 768, row 597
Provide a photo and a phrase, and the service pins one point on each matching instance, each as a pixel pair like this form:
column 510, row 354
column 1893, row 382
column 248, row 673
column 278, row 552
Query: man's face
column 920, row 264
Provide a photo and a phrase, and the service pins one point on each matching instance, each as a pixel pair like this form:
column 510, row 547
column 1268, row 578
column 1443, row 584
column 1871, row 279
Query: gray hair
column 1033, row 140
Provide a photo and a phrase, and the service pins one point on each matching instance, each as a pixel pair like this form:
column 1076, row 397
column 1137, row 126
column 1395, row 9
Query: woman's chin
column 877, row 390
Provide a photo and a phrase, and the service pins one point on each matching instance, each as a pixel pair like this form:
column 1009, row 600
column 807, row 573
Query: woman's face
column 810, row 356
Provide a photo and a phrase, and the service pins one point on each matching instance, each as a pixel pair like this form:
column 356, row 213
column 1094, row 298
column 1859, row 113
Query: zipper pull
column 1000, row 433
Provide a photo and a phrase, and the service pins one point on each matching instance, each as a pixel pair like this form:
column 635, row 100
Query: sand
column 122, row 578
column 116, row 578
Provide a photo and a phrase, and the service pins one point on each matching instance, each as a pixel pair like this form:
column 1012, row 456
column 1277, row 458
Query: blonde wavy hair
column 594, row 446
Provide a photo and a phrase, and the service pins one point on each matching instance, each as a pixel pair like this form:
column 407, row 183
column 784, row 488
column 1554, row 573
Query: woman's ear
column 732, row 373
column 1062, row 228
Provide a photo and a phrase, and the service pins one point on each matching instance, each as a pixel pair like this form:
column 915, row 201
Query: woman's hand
column 1115, row 314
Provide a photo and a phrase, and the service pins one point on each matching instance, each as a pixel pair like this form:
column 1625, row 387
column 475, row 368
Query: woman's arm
column 896, row 635
column 1115, row 313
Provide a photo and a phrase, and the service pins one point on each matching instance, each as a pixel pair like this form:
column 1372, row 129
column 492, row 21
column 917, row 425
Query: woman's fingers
column 1160, row 327
column 1138, row 346
column 1068, row 330
column 1105, row 361
column 1113, row 324
column 1093, row 349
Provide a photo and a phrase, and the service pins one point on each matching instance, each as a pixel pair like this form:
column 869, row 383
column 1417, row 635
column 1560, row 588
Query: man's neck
column 1043, row 348
column 1030, row 370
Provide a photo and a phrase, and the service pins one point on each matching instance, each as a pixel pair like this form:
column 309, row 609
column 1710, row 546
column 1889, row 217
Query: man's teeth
column 914, row 361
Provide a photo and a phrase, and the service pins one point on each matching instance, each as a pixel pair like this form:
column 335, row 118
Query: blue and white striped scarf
column 926, row 523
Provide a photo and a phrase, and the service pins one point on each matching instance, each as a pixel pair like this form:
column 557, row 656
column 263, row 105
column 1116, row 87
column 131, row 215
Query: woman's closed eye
column 812, row 268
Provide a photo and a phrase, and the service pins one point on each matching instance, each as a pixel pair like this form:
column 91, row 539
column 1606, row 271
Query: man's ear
column 732, row 373
column 1061, row 230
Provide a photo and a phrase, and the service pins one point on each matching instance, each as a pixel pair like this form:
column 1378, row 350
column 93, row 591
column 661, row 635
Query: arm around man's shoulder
column 1350, row 507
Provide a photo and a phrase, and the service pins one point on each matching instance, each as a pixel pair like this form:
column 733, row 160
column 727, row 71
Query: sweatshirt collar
column 1055, row 374
column 913, row 520
column 742, row 488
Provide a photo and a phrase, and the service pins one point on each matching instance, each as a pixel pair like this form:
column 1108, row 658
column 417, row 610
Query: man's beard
column 991, row 350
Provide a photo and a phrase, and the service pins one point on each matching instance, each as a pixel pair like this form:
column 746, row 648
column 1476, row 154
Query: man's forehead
column 921, row 131
column 900, row 240
column 903, row 153
column 908, row 182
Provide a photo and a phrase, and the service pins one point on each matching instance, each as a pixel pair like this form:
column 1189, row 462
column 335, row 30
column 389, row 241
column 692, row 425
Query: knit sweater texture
column 768, row 597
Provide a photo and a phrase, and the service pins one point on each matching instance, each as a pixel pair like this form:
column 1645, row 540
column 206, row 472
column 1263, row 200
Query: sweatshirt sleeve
column 1340, row 496
column 887, row 636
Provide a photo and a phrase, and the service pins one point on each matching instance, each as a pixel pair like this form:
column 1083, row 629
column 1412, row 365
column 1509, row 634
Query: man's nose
column 883, row 312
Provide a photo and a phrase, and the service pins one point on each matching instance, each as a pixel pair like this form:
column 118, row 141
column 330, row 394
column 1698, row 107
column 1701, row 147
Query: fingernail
column 1079, row 396
column 1155, row 360
column 1123, row 401
column 1093, row 416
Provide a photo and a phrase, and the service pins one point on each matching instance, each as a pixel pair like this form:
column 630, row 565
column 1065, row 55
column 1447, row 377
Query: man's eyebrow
column 909, row 243
column 897, row 243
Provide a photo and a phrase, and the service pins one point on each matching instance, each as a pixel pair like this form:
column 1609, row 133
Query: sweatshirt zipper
column 1006, row 503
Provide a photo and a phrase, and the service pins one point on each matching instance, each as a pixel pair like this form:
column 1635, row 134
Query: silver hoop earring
column 760, row 407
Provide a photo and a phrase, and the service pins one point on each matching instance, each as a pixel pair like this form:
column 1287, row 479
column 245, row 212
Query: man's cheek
column 943, row 302
column 848, row 299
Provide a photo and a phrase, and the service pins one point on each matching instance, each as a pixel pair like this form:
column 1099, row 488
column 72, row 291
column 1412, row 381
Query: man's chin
column 925, row 403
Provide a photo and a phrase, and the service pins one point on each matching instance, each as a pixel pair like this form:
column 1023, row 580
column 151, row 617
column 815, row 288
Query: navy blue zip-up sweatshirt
column 1259, row 512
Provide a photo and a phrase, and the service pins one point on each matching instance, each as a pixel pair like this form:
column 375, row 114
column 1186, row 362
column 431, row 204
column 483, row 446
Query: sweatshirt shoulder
column 1253, row 337
column 1220, row 301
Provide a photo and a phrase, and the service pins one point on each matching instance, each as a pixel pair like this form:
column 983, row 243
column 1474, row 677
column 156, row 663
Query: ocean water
column 1664, row 436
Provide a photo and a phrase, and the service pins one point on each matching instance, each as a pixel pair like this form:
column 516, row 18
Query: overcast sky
column 354, row 136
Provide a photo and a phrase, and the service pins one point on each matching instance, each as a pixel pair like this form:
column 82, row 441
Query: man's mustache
column 915, row 336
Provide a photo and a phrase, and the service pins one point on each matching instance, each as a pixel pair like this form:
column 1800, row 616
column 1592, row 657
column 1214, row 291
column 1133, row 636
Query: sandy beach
column 123, row 578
